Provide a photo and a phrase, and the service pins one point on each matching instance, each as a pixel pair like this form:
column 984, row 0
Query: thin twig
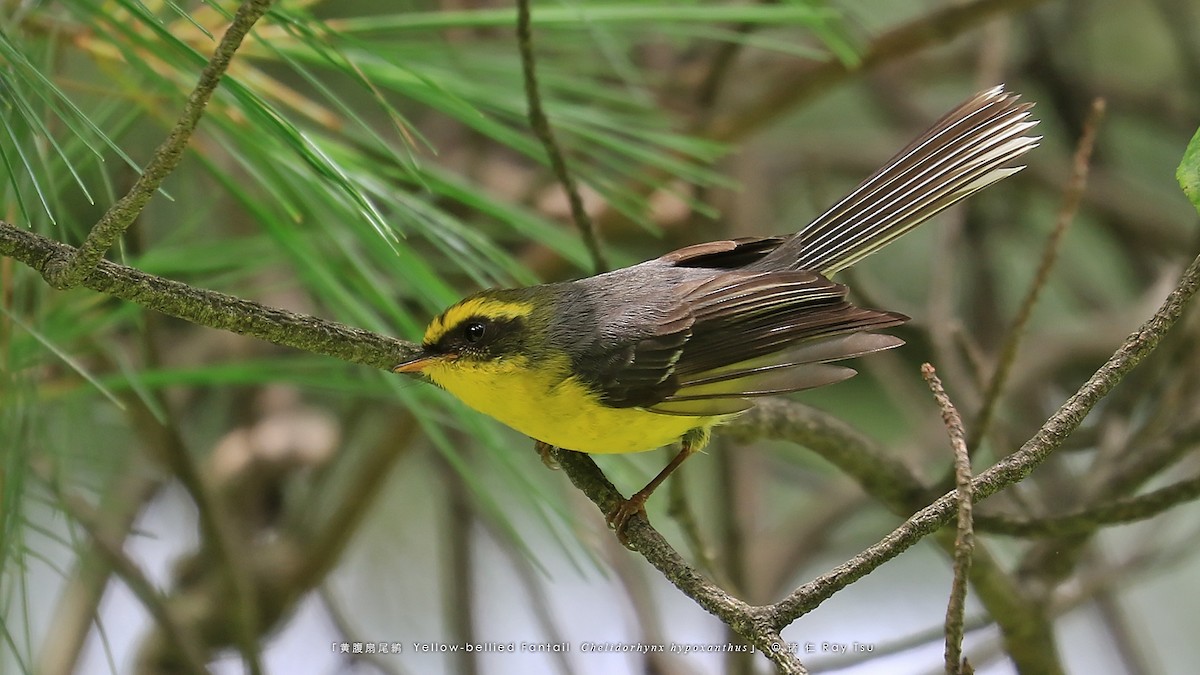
column 69, row 272
column 1128, row 510
column 326, row 537
column 228, row 551
column 1009, row 470
column 720, row 64
column 884, row 476
column 176, row 632
column 964, row 541
column 458, row 561
column 804, row 82
column 77, row 604
column 342, row 619
column 916, row 640
column 541, row 128
column 749, row 621
column 1072, row 196
column 1023, row 625
column 679, row 509
column 781, row 653
column 533, row 588
column 1124, row 633
column 1026, row 628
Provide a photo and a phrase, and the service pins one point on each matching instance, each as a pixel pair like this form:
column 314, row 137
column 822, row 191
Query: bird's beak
column 418, row 363
column 414, row 365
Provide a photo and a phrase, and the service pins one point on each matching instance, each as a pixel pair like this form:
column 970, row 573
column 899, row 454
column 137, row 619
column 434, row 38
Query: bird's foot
column 545, row 450
column 620, row 515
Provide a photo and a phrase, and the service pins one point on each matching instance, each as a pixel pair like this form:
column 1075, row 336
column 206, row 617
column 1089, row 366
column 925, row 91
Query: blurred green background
column 371, row 162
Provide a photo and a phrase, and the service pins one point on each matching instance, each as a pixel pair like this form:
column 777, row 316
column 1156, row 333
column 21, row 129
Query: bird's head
column 490, row 330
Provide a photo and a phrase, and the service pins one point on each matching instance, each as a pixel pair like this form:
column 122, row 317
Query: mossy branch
column 69, row 272
column 213, row 309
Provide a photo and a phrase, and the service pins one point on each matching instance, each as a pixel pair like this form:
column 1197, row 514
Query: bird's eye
column 474, row 331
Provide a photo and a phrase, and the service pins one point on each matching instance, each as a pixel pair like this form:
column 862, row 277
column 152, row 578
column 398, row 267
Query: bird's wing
column 736, row 335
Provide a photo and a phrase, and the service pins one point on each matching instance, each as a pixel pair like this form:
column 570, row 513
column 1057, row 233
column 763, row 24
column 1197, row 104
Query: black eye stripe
column 477, row 334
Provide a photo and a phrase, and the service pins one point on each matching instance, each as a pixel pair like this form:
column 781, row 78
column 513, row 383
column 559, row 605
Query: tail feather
column 964, row 152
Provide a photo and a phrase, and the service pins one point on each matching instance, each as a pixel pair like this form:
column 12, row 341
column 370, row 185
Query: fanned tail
column 965, row 151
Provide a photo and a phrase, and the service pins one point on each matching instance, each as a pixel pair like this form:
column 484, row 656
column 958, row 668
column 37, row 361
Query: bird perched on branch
column 663, row 351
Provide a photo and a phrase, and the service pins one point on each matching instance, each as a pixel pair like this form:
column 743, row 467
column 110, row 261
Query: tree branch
column 882, row 475
column 1008, row 471
column 1072, row 196
column 1131, row 509
column 797, row 85
column 541, row 128
column 213, row 309
column 748, row 620
column 176, row 632
column 68, row 272
column 964, row 541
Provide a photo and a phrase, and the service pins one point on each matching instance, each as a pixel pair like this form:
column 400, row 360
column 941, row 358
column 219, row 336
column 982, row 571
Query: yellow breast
column 549, row 405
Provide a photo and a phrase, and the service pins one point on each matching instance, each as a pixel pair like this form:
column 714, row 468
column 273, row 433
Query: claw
column 545, row 450
column 620, row 515
column 618, row 518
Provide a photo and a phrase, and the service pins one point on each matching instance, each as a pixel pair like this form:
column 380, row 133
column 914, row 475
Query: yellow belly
column 560, row 411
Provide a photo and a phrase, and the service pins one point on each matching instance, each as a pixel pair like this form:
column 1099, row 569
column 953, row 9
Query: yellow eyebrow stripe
column 472, row 307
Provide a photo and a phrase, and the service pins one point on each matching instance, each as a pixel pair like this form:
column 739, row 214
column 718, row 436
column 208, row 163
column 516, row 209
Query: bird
column 664, row 351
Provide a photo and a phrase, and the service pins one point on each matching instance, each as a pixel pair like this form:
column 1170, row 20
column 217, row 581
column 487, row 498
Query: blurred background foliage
column 371, row 162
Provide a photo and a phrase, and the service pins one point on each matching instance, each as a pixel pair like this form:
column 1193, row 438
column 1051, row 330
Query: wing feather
column 749, row 334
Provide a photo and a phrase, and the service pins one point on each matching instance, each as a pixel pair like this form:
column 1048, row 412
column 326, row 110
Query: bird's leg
column 544, row 450
column 618, row 518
